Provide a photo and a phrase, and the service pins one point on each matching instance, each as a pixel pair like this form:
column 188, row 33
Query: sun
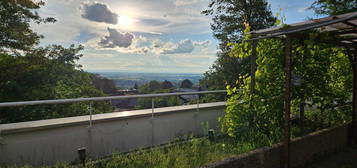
column 125, row 21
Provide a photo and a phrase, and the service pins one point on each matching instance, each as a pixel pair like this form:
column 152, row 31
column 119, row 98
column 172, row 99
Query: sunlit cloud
column 116, row 39
column 131, row 35
column 98, row 12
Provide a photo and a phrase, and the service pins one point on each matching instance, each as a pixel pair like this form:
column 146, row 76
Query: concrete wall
column 303, row 151
column 57, row 140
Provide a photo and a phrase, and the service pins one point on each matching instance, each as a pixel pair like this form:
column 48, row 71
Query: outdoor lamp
column 211, row 134
column 82, row 155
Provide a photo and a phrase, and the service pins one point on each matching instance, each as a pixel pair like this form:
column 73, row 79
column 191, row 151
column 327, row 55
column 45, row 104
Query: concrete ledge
column 80, row 120
column 303, row 150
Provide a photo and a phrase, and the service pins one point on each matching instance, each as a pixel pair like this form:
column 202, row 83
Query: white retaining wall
column 57, row 140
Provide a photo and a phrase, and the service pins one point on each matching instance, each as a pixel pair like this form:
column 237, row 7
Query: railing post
column 196, row 115
column 1, row 138
column 198, row 103
column 152, row 107
column 152, row 121
column 90, row 114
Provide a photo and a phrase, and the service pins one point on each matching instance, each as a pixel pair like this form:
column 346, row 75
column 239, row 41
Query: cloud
column 184, row 46
column 185, row 2
column 153, row 22
column 136, row 44
column 203, row 43
column 301, row 10
column 98, row 12
column 84, row 36
column 116, row 39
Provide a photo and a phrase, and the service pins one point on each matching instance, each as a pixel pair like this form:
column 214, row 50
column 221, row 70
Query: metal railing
column 106, row 98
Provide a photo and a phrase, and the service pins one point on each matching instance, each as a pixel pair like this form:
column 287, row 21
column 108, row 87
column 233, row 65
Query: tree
column 166, row 85
column 42, row 74
column 230, row 19
column 157, row 87
column 15, row 32
column 136, row 87
column 154, row 85
column 30, row 73
column 225, row 71
column 104, row 84
column 186, row 84
column 334, row 7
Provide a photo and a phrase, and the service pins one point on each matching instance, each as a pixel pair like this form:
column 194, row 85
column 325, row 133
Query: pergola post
column 287, row 101
column 354, row 96
column 253, row 66
column 352, row 55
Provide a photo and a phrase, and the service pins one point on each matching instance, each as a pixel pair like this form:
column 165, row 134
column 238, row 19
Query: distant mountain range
column 126, row 80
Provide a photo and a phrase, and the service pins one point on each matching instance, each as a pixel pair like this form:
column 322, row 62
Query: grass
column 185, row 154
column 194, row 153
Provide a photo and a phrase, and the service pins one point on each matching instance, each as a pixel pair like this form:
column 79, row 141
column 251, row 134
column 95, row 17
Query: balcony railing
column 90, row 100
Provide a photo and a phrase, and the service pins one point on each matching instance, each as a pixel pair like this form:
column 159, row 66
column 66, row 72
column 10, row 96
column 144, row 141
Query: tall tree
column 15, row 18
column 29, row 72
column 46, row 73
column 166, row 85
column 186, row 84
column 104, row 84
column 334, row 7
column 230, row 19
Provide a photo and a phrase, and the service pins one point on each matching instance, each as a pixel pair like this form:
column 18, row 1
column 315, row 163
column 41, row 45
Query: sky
column 169, row 36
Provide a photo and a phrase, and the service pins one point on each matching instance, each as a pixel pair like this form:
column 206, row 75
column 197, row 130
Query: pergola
column 342, row 29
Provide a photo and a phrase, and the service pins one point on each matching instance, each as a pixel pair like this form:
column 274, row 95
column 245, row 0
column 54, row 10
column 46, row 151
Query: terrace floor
column 344, row 159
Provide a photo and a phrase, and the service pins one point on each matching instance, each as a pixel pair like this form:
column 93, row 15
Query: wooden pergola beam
column 350, row 24
column 344, row 32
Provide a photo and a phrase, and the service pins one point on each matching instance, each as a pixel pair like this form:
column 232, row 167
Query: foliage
column 326, row 81
column 136, row 87
column 195, row 153
column 230, row 19
column 150, row 87
column 186, row 84
column 191, row 154
column 145, row 103
column 15, row 32
column 166, row 85
column 157, row 87
column 224, row 71
column 334, row 7
column 42, row 74
column 258, row 117
column 29, row 72
column 104, row 84
column 325, row 87
column 231, row 16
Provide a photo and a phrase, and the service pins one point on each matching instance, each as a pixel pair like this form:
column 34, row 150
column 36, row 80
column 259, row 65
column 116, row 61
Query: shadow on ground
column 344, row 159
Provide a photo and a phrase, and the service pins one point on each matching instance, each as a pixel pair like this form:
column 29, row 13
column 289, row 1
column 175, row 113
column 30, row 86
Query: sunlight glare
column 124, row 21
